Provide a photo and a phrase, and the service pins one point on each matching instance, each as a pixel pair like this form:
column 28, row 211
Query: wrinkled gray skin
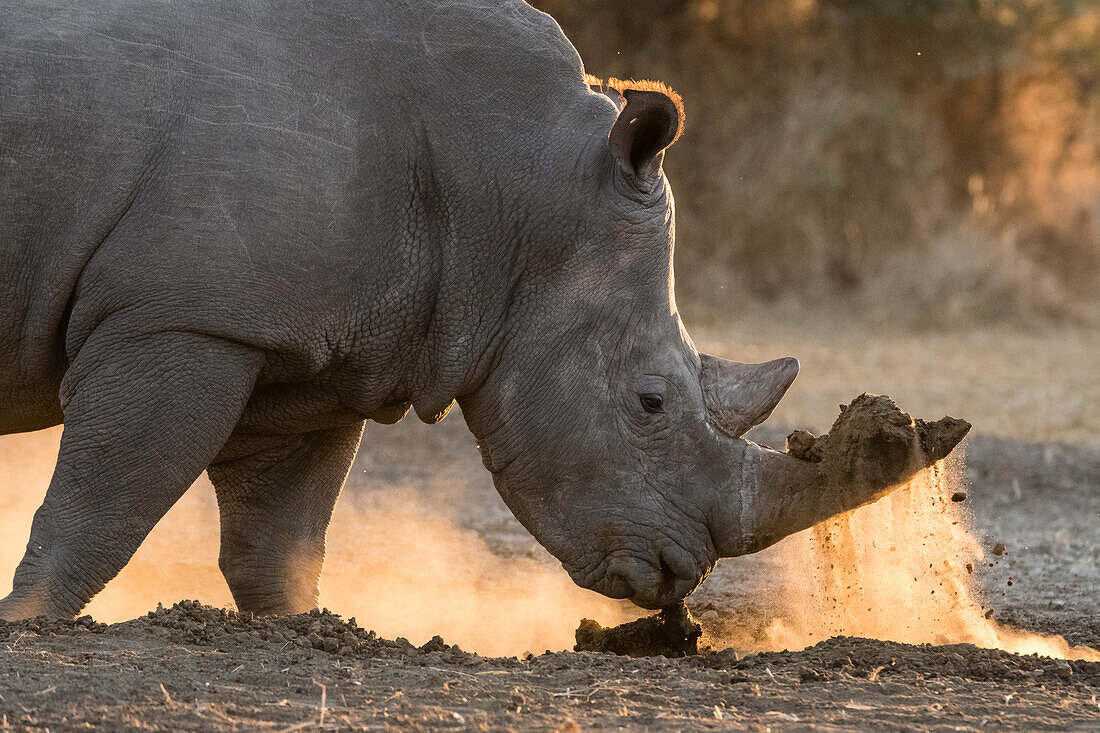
column 230, row 232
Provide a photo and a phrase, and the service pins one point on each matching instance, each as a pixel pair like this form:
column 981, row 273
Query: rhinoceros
column 231, row 232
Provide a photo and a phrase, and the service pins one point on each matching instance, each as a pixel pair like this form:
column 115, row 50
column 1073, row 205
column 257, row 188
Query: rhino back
column 281, row 174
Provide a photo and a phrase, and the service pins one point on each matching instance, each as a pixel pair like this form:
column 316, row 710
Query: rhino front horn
column 872, row 449
column 740, row 396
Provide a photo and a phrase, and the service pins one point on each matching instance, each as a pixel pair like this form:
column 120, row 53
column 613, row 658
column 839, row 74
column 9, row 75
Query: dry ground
column 196, row 668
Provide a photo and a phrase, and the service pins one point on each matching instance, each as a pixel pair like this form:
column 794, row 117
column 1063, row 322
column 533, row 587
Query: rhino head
column 613, row 440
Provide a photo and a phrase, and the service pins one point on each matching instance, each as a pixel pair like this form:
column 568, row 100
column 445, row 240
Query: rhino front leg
column 143, row 417
column 275, row 497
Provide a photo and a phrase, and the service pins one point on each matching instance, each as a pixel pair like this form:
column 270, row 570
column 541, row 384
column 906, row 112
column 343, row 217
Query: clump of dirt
column 877, row 418
column 670, row 633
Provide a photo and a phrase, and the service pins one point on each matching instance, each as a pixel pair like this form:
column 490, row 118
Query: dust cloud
column 900, row 570
column 395, row 562
column 893, row 570
column 403, row 569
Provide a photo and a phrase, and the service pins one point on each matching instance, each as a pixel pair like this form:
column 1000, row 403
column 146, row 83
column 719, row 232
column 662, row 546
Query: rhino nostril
column 668, row 576
column 619, row 587
column 676, row 563
column 654, row 582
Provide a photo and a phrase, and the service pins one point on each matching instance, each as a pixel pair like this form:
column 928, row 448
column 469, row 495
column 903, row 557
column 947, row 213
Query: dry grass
column 1040, row 385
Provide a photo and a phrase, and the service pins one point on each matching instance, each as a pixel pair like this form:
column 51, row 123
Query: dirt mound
column 874, row 659
column 50, row 627
column 225, row 630
column 190, row 622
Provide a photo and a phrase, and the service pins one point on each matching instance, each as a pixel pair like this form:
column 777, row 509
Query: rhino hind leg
column 143, row 417
column 275, row 496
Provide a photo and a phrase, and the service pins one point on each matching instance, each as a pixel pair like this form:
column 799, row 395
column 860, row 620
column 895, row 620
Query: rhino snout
column 658, row 581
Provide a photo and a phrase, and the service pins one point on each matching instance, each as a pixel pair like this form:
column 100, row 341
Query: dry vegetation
column 924, row 164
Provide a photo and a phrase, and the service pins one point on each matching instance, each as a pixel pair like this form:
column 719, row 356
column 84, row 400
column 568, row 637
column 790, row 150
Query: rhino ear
column 651, row 120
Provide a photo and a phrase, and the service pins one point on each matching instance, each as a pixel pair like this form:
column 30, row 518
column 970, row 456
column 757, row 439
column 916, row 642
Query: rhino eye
column 652, row 402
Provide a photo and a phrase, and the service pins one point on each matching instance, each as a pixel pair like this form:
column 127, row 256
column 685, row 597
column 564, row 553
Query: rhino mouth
column 657, row 580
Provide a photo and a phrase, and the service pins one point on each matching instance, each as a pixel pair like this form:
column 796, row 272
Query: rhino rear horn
column 740, row 396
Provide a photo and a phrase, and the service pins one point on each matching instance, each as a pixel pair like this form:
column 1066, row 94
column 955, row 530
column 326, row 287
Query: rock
column 999, row 548
column 958, row 496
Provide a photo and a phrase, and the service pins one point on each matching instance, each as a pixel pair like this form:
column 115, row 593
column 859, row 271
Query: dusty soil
column 195, row 668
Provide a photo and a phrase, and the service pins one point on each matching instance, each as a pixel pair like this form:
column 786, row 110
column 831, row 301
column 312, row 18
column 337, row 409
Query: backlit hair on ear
column 593, row 81
column 647, row 85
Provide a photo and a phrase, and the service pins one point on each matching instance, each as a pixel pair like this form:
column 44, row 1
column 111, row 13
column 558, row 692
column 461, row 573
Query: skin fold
column 231, row 232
